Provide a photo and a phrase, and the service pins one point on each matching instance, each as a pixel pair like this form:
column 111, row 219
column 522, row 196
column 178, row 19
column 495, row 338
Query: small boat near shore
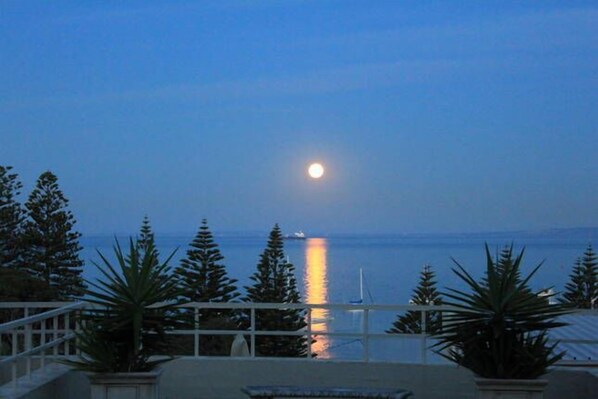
column 360, row 300
column 298, row 235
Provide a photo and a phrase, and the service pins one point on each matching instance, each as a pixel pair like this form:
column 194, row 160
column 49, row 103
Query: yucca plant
column 134, row 305
column 499, row 329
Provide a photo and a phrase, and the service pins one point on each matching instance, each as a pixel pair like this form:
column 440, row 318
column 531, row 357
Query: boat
column 549, row 294
column 298, row 235
column 360, row 300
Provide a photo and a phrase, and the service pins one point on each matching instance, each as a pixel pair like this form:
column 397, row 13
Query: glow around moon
column 316, row 170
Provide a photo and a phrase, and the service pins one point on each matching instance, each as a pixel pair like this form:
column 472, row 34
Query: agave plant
column 499, row 329
column 133, row 308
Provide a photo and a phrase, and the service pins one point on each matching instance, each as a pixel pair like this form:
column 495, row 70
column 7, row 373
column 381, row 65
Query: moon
column 316, row 170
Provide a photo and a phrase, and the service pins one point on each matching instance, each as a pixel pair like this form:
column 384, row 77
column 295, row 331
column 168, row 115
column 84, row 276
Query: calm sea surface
column 327, row 270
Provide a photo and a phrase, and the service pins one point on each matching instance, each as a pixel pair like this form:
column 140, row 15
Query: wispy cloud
column 341, row 79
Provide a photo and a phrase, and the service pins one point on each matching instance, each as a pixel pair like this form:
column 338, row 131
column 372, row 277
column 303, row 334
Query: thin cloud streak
column 327, row 81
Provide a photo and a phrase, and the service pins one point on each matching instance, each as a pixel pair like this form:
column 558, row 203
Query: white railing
column 364, row 335
column 32, row 336
column 39, row 331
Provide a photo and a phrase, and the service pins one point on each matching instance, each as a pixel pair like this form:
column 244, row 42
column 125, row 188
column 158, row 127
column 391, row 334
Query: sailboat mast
column 361, row 284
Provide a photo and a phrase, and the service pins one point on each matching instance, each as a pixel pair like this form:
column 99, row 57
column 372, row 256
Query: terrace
column 42, row 333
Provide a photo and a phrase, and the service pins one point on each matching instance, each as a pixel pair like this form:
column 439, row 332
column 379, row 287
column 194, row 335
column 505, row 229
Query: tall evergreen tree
column 203, row 278
column 11, row 217
column 145, row 240
column 574, row 289
column 274, row 282
column 424, row 294
column 51, row 246
column 505, row 262
column 582, row 289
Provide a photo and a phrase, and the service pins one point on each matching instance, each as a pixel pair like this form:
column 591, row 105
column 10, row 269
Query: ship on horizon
column 298, row 235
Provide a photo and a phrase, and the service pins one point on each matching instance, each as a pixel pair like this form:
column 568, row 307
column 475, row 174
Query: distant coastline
column 579, row 233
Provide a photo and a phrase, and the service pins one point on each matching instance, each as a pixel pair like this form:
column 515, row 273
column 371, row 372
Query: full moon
column 316, row 170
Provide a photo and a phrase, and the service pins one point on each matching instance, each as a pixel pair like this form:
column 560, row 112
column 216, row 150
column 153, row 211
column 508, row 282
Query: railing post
column 309, row 336
column 28, row 348
column 14, row 353
column 78, row 321
column 423, row 337
column 67, row 327
column 252, row 330
column 366, row 335
column 42, row 342
column 196, row 332
column 55, row 336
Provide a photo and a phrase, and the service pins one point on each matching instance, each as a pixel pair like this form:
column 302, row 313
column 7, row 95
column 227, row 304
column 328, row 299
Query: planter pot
column 510, row 389
column 125, row 385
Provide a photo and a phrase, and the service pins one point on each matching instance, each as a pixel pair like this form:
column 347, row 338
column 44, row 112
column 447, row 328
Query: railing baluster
column 55, row 336
column 14, row 353
column 252, row 330
column 78, row 322
column 28, row 348
column 67, row 327
column 196, row 337
column 366, row 335
column 424, row 336
column 309, row 336
column 42, row 341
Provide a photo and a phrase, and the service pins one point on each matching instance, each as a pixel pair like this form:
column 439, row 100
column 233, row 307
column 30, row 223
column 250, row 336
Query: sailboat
column 360, row 300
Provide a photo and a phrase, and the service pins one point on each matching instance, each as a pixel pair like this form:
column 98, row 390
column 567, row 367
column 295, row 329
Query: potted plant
column 499, row 330
column 132, row 309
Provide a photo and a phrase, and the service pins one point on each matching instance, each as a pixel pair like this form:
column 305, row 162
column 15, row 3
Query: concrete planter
column 510, row 389
column 125, row 385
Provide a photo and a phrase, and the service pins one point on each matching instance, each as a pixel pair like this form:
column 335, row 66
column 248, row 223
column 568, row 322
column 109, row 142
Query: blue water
column 391, row 265
column 327, row 271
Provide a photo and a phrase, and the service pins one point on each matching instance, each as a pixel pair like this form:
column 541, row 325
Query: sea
column 327, row 269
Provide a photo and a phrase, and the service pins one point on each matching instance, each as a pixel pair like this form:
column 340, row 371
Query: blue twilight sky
column 429, row 116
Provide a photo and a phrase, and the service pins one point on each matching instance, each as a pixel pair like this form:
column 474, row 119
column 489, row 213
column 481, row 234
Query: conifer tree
column 582, row 289
column 505, row 262
column 145, row 240
column 51, row 246
column 274, row 282
column 11, row 217
column 424, row 294
column 203, row 278
column 574, row 289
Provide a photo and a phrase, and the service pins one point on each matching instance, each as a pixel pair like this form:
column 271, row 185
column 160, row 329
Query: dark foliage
column 499, row 329
column 11, row 218
column 424, row 294
column 582, row 289
column 135, row 307
column 51, row 246
column 203, row 278
column 274, row 282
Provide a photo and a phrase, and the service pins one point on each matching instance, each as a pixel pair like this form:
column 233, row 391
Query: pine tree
column 203, row 278
column 11, row 217
column 582, row 289
column 574, row 289
column 145, row 240
column 424, row 294
column 51, row 247
column 590, row 273
column 274, row 282
column 505, row 262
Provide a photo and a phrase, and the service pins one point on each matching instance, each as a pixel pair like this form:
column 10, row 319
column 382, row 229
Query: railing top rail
column 11, row 325
column 252, row 305
column 248, row 305
column 21, row 305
